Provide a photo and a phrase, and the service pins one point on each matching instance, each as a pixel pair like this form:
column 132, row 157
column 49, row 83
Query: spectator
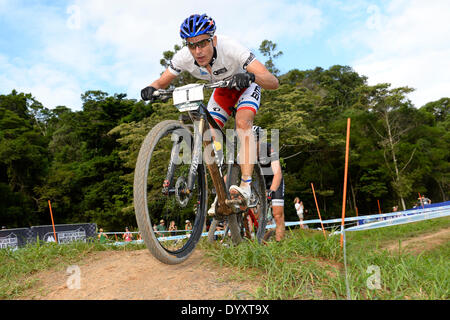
column 161, row 228
column 299, row 209
column 305, row 214
column 173, row 228
column 102, row 236
column 127, row 235
column 188, row 227
column 425, row 200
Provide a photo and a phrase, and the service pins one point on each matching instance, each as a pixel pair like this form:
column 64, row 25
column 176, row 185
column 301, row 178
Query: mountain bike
column 171, row 181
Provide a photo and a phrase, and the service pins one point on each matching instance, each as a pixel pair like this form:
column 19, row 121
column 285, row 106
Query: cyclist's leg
column 247, row 107
column 247, row 151
column 221, row 103
column 278, row 211
column 220, row 107
column 212, row 209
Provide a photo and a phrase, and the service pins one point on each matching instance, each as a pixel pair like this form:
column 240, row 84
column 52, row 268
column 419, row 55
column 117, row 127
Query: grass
column 307, row 266
column 17, row 267
column 304, row 265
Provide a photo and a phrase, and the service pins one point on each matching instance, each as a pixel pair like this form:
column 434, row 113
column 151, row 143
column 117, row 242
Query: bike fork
column 172, row 164
column 196, row 154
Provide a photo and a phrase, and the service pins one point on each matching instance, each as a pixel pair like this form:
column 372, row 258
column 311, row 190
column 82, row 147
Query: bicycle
column 170, row 171
column 248, row 221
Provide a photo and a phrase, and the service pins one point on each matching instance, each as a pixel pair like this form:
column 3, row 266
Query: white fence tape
column 370, row 222
column 422, row 214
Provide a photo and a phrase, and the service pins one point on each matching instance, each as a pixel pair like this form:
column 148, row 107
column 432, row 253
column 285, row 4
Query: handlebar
column 167, row 93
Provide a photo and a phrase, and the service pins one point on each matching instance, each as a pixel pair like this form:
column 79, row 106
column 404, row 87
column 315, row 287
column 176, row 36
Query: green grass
column 307, row 266
column 17, row 267
column 304, row 265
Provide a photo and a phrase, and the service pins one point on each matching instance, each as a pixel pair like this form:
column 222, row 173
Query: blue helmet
column 197, row 25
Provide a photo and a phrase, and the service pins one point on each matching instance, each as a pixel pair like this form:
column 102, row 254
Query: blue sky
column 57, row 50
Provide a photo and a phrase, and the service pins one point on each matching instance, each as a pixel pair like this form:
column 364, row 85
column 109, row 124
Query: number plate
column 189, row 97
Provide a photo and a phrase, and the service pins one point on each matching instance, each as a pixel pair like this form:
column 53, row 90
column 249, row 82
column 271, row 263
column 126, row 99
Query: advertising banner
column 15, row 238
column 65, row 233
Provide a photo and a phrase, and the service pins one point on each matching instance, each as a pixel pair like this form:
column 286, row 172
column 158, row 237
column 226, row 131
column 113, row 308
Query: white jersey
column 229, row 58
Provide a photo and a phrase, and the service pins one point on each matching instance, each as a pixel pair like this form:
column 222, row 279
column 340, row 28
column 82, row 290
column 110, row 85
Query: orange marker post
column 318, row 211
column 53, row 223
column 379, row 208
column 345, row 179
column 357, row 222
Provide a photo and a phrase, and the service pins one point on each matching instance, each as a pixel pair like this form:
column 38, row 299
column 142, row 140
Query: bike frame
column 201, row 118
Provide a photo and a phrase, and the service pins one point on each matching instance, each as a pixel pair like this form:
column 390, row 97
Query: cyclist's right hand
column 270, row 194
column 147, row 93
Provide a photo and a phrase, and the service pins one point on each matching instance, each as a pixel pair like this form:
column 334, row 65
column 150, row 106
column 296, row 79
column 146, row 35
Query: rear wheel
column 237, row 222
column 160, row 193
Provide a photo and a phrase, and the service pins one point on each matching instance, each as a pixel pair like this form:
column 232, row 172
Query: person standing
column 173, row 228
column 299, row 209
column 161, row 228
column 127, row 235
column 102, row 236
column 188, row 227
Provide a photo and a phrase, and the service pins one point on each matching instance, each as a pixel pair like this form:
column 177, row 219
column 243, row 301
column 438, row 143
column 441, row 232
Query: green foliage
column 267, row 48
column 84, row 161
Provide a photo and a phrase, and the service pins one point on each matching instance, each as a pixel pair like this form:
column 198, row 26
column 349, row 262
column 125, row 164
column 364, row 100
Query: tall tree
column 394, row 119
column 23, row 159
column 268, row 49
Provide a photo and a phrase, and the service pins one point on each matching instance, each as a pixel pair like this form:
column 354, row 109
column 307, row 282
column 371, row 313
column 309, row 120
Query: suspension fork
column 196, row 153
column 172, row 163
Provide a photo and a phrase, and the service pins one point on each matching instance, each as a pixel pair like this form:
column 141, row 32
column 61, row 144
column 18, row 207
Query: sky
column 57, row 50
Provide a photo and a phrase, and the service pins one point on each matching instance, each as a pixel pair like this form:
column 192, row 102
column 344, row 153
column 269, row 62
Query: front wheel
column 160, row 192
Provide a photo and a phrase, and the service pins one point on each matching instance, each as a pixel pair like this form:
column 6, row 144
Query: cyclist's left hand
column 241, row 80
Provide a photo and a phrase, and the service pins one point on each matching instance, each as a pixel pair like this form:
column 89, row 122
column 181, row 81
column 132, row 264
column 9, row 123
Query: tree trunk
column 353, row 195
column 394, row 158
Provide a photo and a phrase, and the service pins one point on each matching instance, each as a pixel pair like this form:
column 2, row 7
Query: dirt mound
column 127, row 275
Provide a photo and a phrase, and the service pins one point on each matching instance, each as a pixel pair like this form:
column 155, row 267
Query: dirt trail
column 137, row 275
column 423, row 242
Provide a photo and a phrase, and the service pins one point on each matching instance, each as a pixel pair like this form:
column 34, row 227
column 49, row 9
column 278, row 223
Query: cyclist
column 269, row 161
column 215, row 57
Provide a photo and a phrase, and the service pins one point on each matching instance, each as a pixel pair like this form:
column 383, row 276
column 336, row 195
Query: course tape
column 369, row 222
column 432, row 214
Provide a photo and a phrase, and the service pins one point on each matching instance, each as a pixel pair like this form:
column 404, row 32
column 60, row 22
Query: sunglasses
column 199, row 44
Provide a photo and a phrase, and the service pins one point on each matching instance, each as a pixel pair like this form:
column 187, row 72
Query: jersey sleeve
column 177, row 62
column 267, row 154
column 250, row 58
column 274, row 156
column 243, row 54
